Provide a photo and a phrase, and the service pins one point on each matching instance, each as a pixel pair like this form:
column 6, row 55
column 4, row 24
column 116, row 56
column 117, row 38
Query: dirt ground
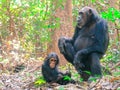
column 24, row 80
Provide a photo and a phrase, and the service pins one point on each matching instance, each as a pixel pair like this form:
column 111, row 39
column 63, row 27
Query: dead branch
column 95, row 84
column 116, row 86
column 114, row 67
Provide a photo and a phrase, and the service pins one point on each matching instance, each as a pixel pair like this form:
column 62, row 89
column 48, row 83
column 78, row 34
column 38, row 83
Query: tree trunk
column 115, row 4
column 65, row 29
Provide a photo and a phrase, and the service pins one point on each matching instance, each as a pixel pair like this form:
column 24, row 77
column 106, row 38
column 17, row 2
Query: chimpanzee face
column 83, row 17
column 52, row 62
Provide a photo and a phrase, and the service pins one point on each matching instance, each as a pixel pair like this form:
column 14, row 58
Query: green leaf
column 93, row 1
column 67, row 78
column 61, row 88
column 116, row 73
column 40, row 81
column 111, row 14
column 92, row 79
column 117, row 14
column 87, row 72
column 76, row 75
column 81, row 79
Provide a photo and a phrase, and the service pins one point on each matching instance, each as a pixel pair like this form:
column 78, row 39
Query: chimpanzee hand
column 77, row 61
column 59, row 76
column 61, row 44
column 78, row 58
column 82, row 52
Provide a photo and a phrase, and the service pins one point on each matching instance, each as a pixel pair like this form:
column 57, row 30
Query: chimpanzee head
column 86, row 15
column 52, row 60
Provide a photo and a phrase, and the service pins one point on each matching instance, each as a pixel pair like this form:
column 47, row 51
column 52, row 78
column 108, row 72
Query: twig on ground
column 114, row 67
column 116, row 86
column 94, row 84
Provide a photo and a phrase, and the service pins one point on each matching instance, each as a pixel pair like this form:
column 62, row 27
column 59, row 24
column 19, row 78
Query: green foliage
column 76, row 75
column 37, row 15
column 40, row 81
column 111, row 14
column 93, row 1
column 61, row 88
column 67, row 78
column 81, row 80
column 34, row 21
column 1, row 59
column 112, row 55
column 94, row 79
column 106, row 70
column 116, row 73
column 88, row 72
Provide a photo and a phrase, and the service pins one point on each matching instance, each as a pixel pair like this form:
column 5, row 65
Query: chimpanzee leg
column 95, row 65
column 85, row 69
column 85, row 75
column 67, row 50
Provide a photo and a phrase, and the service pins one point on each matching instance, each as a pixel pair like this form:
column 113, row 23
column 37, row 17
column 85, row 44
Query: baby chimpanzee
column 51, row 73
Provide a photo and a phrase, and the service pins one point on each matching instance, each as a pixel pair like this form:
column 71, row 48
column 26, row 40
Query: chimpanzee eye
column 79, row 17
column 80, row 13
column 53, row 60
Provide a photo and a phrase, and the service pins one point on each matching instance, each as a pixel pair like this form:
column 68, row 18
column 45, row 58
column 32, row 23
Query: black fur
column 88, row 44
column 52, row 75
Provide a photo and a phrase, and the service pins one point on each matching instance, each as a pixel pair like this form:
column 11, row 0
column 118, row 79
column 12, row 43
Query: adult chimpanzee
column 88, row 44
column 51, row 73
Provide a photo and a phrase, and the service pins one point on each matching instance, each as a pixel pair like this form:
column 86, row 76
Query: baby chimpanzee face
column 52, row 62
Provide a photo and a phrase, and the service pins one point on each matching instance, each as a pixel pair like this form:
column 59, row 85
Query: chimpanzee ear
column 90, row 12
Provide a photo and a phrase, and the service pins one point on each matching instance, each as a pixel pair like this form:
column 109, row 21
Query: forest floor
column 24, row 80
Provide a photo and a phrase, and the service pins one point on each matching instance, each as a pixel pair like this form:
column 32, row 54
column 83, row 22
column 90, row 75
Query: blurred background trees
column 31, row 28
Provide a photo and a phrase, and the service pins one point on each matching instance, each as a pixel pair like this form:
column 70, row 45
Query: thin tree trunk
column 65, row 29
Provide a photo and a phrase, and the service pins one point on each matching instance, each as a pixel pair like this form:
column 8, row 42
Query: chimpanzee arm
column 101, row 35
column 101, row 42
